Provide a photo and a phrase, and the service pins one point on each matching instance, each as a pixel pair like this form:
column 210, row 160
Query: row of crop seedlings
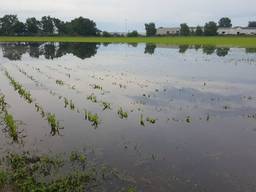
column 68, row 103
column 50, row 117
column 7, row 120
column 93, row 118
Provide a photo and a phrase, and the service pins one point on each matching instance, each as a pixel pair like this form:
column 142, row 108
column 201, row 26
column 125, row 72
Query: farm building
column 168, row 31
column 237, row 31
column 172, row 31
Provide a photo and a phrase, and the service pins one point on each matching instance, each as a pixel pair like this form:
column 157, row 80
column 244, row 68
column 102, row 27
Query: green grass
column 242, row 41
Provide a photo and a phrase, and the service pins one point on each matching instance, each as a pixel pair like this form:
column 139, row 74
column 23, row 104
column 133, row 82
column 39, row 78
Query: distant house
column 168, row 31
column 172, row 31
column 236, row 31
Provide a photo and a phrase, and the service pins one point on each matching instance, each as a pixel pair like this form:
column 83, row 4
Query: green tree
column 150, row 29
column 133, row 34
column 9, row 25
column 47, row 25
column 210, row 29
column 84, row 27
column 225, row 22
column 252, row 24
column 199, row 31
column 32, row 26
column 184, row 29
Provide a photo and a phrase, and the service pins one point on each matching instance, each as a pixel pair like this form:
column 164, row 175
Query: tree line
column 209, row 29
column 47, row 26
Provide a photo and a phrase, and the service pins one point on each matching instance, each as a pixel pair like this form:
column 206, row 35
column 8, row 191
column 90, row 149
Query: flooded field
column 169, row 118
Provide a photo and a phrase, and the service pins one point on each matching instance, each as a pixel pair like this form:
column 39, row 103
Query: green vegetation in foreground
column 25, row 172
column 217, row 40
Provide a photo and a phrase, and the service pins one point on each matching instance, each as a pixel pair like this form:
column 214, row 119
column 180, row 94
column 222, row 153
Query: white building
column 168, row 31
column 237, row 31
column 172, row 31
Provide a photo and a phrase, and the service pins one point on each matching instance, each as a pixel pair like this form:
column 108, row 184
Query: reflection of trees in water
column 250, row 50
column 14, row 51
column 209, row 49
column 81, row 50
column 183, row 48
column 150, row 48
column 222, row 52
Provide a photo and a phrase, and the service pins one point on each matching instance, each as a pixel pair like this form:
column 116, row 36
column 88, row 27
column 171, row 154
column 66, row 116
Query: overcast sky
column 111, row 14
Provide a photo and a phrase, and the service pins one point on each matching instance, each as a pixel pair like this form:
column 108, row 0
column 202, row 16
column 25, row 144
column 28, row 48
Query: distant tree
column 32, row 26
column 106, row 34
column 133, row 34
column 184, row 29
column 19, row 28
column 83, row 27
column 150, row 29
column 252, row 24
column 199, row 31
column 210, row 29
column 9, row 25
column 47, row 25
column 225, row 22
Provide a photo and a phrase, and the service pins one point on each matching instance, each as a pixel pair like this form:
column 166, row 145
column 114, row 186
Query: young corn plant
column 93, row 118
column 122, row 114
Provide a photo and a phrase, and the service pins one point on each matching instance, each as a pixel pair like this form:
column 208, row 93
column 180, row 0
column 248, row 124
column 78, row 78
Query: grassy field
column 218, row 41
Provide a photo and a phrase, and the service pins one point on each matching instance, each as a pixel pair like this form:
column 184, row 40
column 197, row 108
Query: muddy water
column 191, row 122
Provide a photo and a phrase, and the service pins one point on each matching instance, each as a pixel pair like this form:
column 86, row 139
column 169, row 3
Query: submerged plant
column 96, row 87
column 122, row 114
column 188, row 119
column 59, row 82
column 151, row 120
column 142, row 120
column 71, row 105
column 66, row 102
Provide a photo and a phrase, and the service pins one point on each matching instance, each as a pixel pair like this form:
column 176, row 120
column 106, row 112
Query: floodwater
column 191, row 122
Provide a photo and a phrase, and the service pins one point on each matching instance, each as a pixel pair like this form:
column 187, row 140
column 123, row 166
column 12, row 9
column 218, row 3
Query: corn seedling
column 12, row 127
column 151, row 120
column 66, row 102
column 18, row 87
column 122, row 114
column 142, row 120
column 106, row 105
column 92, row 98
column 71, row 105
column 59, row 82
column 93, row 118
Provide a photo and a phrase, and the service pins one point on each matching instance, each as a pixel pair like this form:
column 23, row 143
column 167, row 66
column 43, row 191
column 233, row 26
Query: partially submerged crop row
column 18, row 87
column 27, row 96
column 8, row 119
